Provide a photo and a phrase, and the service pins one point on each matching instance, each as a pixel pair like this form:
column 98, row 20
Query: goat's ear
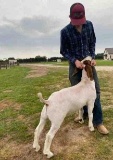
column 89, row 72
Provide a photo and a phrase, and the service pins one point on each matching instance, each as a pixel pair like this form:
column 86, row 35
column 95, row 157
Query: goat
column 62, row 102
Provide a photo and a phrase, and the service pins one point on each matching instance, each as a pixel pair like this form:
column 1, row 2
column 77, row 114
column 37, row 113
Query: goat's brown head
column 88, row 69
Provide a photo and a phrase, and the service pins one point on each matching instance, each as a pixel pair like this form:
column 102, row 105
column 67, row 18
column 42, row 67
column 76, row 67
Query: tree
column 99, row 56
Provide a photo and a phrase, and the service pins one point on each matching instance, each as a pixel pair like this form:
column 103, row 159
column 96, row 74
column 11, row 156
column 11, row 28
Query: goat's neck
column 85, row 78
column 84, row 75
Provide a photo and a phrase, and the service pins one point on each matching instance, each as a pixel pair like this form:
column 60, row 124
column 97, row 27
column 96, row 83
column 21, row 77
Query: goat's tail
column 42, row 99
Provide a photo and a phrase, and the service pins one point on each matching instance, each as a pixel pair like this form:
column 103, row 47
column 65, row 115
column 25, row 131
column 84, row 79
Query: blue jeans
column 75, row 79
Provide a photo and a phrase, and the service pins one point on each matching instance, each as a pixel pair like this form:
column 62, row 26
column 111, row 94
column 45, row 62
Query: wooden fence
column 4, row 64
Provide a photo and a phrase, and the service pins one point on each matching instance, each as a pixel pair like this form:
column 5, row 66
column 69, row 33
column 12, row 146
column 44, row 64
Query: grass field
column 20, row 111
column 99, row 63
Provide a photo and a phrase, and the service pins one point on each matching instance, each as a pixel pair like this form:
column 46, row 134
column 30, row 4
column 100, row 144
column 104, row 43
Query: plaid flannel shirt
column 75, row 45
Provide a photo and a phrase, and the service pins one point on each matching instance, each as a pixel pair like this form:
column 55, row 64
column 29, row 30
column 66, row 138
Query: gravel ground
column 98, row 68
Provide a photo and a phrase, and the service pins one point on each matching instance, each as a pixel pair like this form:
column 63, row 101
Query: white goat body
column 62, row 102
column 69, row 99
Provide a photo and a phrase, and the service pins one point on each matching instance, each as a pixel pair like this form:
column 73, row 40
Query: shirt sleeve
column 92, row 42
column 65, row 49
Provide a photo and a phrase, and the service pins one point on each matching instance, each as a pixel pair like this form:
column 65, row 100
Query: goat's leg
column 39, row 129
column 49, row 137
column 37, row 133
column 80, row 116
column 90, row 115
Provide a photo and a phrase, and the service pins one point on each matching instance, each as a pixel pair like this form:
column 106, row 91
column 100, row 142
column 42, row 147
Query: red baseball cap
column 77, row 14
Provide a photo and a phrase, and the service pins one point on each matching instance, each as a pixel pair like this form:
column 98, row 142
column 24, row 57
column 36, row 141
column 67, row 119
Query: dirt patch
column 7, row 91
column 104, row 68
column 36, row 71
column 99, row 68
column 71, row 134
column 8, row 103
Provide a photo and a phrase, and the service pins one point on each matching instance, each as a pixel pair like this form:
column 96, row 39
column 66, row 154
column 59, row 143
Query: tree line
column 40, row 59
column 45, row 59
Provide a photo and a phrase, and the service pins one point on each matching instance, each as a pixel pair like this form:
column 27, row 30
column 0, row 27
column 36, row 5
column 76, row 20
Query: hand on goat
column 93, row 62
column 79, row 64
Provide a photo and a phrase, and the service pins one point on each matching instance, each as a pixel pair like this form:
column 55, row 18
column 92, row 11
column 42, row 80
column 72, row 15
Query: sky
column 29, row 28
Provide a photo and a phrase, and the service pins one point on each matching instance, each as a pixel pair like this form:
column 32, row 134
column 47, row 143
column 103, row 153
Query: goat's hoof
column 77, row 119
column 91, row 129
column 36, row 146
column 49, row 154
column 81, row 121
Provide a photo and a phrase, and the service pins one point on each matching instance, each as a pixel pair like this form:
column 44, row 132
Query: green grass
column 104, row 63
column 24, row 91
column 20, row 110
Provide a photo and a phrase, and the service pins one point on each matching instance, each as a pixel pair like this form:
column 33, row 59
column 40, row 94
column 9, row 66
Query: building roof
column 109, row 50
